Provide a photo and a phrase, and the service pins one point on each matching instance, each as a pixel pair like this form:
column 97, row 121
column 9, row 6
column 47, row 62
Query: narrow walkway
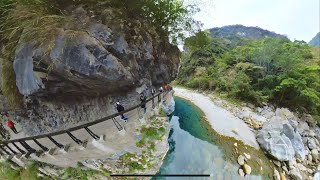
column 112, row 141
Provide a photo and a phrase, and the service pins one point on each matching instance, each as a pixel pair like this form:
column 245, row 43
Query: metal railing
column 6, row 149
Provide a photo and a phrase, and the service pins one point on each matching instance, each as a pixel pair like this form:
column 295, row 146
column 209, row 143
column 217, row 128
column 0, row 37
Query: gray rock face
column 26, row 79
column 169, row 107
column 312, row 143
column 280, row 140
column 302, row 127
column 97, row 63
column 317, row 133
column 78, row 80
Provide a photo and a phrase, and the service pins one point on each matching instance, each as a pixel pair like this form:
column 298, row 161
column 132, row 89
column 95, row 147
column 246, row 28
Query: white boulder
column 280, row 140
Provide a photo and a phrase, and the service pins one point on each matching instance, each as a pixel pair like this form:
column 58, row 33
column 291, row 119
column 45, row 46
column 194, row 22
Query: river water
column 192, row 149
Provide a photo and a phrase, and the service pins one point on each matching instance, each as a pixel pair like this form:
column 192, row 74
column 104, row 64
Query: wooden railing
column 28, row 150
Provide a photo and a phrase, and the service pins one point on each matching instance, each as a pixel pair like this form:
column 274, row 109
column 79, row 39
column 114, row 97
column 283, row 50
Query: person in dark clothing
column 143, row 100
column 120, row 108
column 153, row 92
column 161, row 89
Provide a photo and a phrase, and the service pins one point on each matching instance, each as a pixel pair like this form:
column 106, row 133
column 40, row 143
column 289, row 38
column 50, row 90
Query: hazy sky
column 298, row 19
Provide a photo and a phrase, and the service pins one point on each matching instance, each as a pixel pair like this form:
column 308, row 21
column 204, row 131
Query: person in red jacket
column 11, row 126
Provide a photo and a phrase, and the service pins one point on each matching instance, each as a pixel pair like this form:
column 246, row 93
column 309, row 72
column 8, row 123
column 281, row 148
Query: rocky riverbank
column 291, row 139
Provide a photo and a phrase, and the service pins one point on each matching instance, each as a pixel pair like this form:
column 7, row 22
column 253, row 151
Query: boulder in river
column 247, row 156
column 295, row 174
column 284, row 113
column 241, row 159
column 302, row 126
column 277, row 163
column 276, row 174
column 315, row 155
column 241, row 173
column 247, row 169
column 312, row 143
column 282, row 176
column 316, row 176
column 309, row 157
column 279, row 139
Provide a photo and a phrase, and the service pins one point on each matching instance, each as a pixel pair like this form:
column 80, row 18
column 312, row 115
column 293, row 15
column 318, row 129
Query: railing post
column 96, row 137
column 40, row 145
column 153, row 105
column 27, row 147
column 4, row 150
column 56, row 143
column 78, row 141
column 139, row 113
column 19, row 149
column 14, row 152
column 117, row 124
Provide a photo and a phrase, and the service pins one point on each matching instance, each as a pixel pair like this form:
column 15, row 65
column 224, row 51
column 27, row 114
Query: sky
column 298, row 19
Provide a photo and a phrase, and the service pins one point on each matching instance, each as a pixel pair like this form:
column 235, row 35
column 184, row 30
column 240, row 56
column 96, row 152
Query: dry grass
column 25, row 24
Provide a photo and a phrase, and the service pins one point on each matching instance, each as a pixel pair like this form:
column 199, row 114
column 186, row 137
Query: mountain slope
column 315, row 41
column 234, row 32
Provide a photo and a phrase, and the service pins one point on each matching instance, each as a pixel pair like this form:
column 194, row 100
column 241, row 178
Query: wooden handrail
column 80, row 126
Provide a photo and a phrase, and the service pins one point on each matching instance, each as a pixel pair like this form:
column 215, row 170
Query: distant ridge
column 234, row 32
column 315, row 41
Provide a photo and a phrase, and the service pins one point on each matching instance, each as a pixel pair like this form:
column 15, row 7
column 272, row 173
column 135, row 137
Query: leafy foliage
column 84, row 174
column 268, row 70
column 28, row 173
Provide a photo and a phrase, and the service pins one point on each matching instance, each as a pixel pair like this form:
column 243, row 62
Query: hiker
column 153, row 91
column 120, row 108
column 161, row 89
column 11, row 126
column 166, row 88
column 143, row 100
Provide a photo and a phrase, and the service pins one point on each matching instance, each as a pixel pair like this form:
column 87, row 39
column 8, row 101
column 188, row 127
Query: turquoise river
column 192, row 150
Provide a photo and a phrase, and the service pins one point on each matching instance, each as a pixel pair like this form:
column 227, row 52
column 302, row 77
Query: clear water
column 192, row 148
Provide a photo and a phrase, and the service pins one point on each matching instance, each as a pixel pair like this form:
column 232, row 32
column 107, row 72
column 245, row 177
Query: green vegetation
column 145, row 160
column 32, row 169
column 141, row 143
column 133, row 165
column 84, row 174
column 152, row 133
column 28, row 173
column 162, row 113
column 271, row 70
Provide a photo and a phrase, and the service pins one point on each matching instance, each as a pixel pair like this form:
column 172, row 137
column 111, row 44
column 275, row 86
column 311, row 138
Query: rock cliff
column 80, row 78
